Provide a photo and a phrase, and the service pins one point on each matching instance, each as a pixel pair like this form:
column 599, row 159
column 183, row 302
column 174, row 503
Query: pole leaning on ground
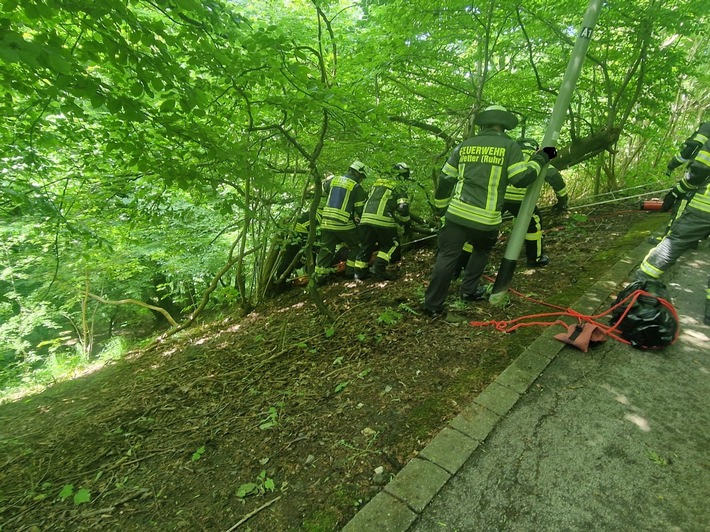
column 552, row 133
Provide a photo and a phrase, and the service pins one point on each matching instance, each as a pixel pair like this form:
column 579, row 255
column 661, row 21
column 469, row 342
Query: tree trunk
column 585, row 148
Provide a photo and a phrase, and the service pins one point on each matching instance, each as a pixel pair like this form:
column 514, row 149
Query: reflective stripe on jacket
column 386, row 205
column 344, row 204
column 691, row 146
column 474, row 179
column 553, row 177
column 699, row 175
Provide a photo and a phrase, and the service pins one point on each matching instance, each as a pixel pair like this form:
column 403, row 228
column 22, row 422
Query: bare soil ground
column 279, row 420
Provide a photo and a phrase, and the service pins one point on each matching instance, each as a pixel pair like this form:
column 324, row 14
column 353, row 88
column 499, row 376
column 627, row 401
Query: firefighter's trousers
column 329, row 240
column 693, row 225
column 376, row 237
column 533, row 237
column 452, row 237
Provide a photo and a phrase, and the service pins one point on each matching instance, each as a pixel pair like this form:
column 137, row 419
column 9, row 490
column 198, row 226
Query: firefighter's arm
column 442, row 196
column 402, row 212
column 523, row 174
column 416, row 218
column 359, row 203
column 555, row 180
column 690, row 149
column 699, row 170
column 553, row 177
column 688, row 183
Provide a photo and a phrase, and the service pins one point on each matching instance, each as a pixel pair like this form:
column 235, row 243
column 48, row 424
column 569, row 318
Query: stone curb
column 397, row 507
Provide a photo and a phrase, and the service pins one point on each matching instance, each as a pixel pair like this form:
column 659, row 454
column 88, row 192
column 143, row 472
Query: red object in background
column 651, row 205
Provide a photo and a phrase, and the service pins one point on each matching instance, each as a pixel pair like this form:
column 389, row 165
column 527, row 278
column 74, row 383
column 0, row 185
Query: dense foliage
column 153, row 148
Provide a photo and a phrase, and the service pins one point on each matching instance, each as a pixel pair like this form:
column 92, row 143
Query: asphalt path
column 614, row 439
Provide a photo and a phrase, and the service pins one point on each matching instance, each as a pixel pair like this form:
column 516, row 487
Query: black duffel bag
column 651, row 322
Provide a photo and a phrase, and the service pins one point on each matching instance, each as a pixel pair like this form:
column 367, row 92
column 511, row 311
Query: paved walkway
column 615, row 439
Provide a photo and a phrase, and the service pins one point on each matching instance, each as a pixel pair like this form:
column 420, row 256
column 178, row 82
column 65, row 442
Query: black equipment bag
column 649, row 324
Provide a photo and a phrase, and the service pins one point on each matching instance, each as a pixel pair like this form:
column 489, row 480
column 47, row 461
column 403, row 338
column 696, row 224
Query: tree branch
column 138, row 303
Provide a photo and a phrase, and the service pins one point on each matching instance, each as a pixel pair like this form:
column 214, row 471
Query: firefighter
column 470, row 192
column 293, row 243
column 386, row 208
column 554, row 178
column 687, row 153
column 341, row 213
column 514, row 198
column 690, row 148
column 692, row 225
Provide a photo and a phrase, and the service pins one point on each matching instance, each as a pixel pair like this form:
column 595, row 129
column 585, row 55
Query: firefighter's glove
column 670, row 199
column 672, row 165
column 561, row 205
column 550, row 151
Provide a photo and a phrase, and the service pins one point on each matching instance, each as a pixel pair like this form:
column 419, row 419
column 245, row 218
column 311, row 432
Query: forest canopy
column 153, row 148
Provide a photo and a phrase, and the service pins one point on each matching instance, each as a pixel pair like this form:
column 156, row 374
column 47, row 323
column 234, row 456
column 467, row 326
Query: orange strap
column 512, row 325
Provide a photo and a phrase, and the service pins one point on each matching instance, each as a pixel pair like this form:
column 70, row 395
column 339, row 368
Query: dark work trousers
column 375, row 237
column 533, row 238
column 677, row 210
column 692, row 226
column 452, row 237
column 329, row 240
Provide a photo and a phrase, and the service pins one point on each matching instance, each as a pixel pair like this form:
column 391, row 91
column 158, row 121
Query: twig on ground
column 253, row 513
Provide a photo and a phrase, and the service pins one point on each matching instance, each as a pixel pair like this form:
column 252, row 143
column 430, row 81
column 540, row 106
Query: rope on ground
column 525, row 321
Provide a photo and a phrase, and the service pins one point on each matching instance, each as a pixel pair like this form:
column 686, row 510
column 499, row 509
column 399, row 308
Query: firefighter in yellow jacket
column 692, row 225
column 345, row 200
column 470, row 193
column 687, row 153
column 514, row 198
column 386, row 208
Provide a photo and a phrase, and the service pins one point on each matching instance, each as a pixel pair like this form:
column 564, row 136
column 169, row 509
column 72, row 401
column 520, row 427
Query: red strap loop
column 512, row 325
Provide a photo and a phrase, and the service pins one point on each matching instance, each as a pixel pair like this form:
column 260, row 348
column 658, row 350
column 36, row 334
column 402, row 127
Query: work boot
column 562, row 205
column 379, row 271
column 481, row 292
column 432, row 313
column 641, row 276
column 321, row 280
column 383, row 275
column 543, row 261
column 361, row 274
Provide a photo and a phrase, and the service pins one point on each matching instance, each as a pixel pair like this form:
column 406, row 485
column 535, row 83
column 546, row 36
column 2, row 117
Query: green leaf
column 269, row 484
column 389, row 317
column 113, row 105
column 198, row 453
column 340, row 387
column 82, row 496
column 167, row 106
column 136, row 89
column 329, row 332
column 97, row 100
column 66, row 492
column 246, row 489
